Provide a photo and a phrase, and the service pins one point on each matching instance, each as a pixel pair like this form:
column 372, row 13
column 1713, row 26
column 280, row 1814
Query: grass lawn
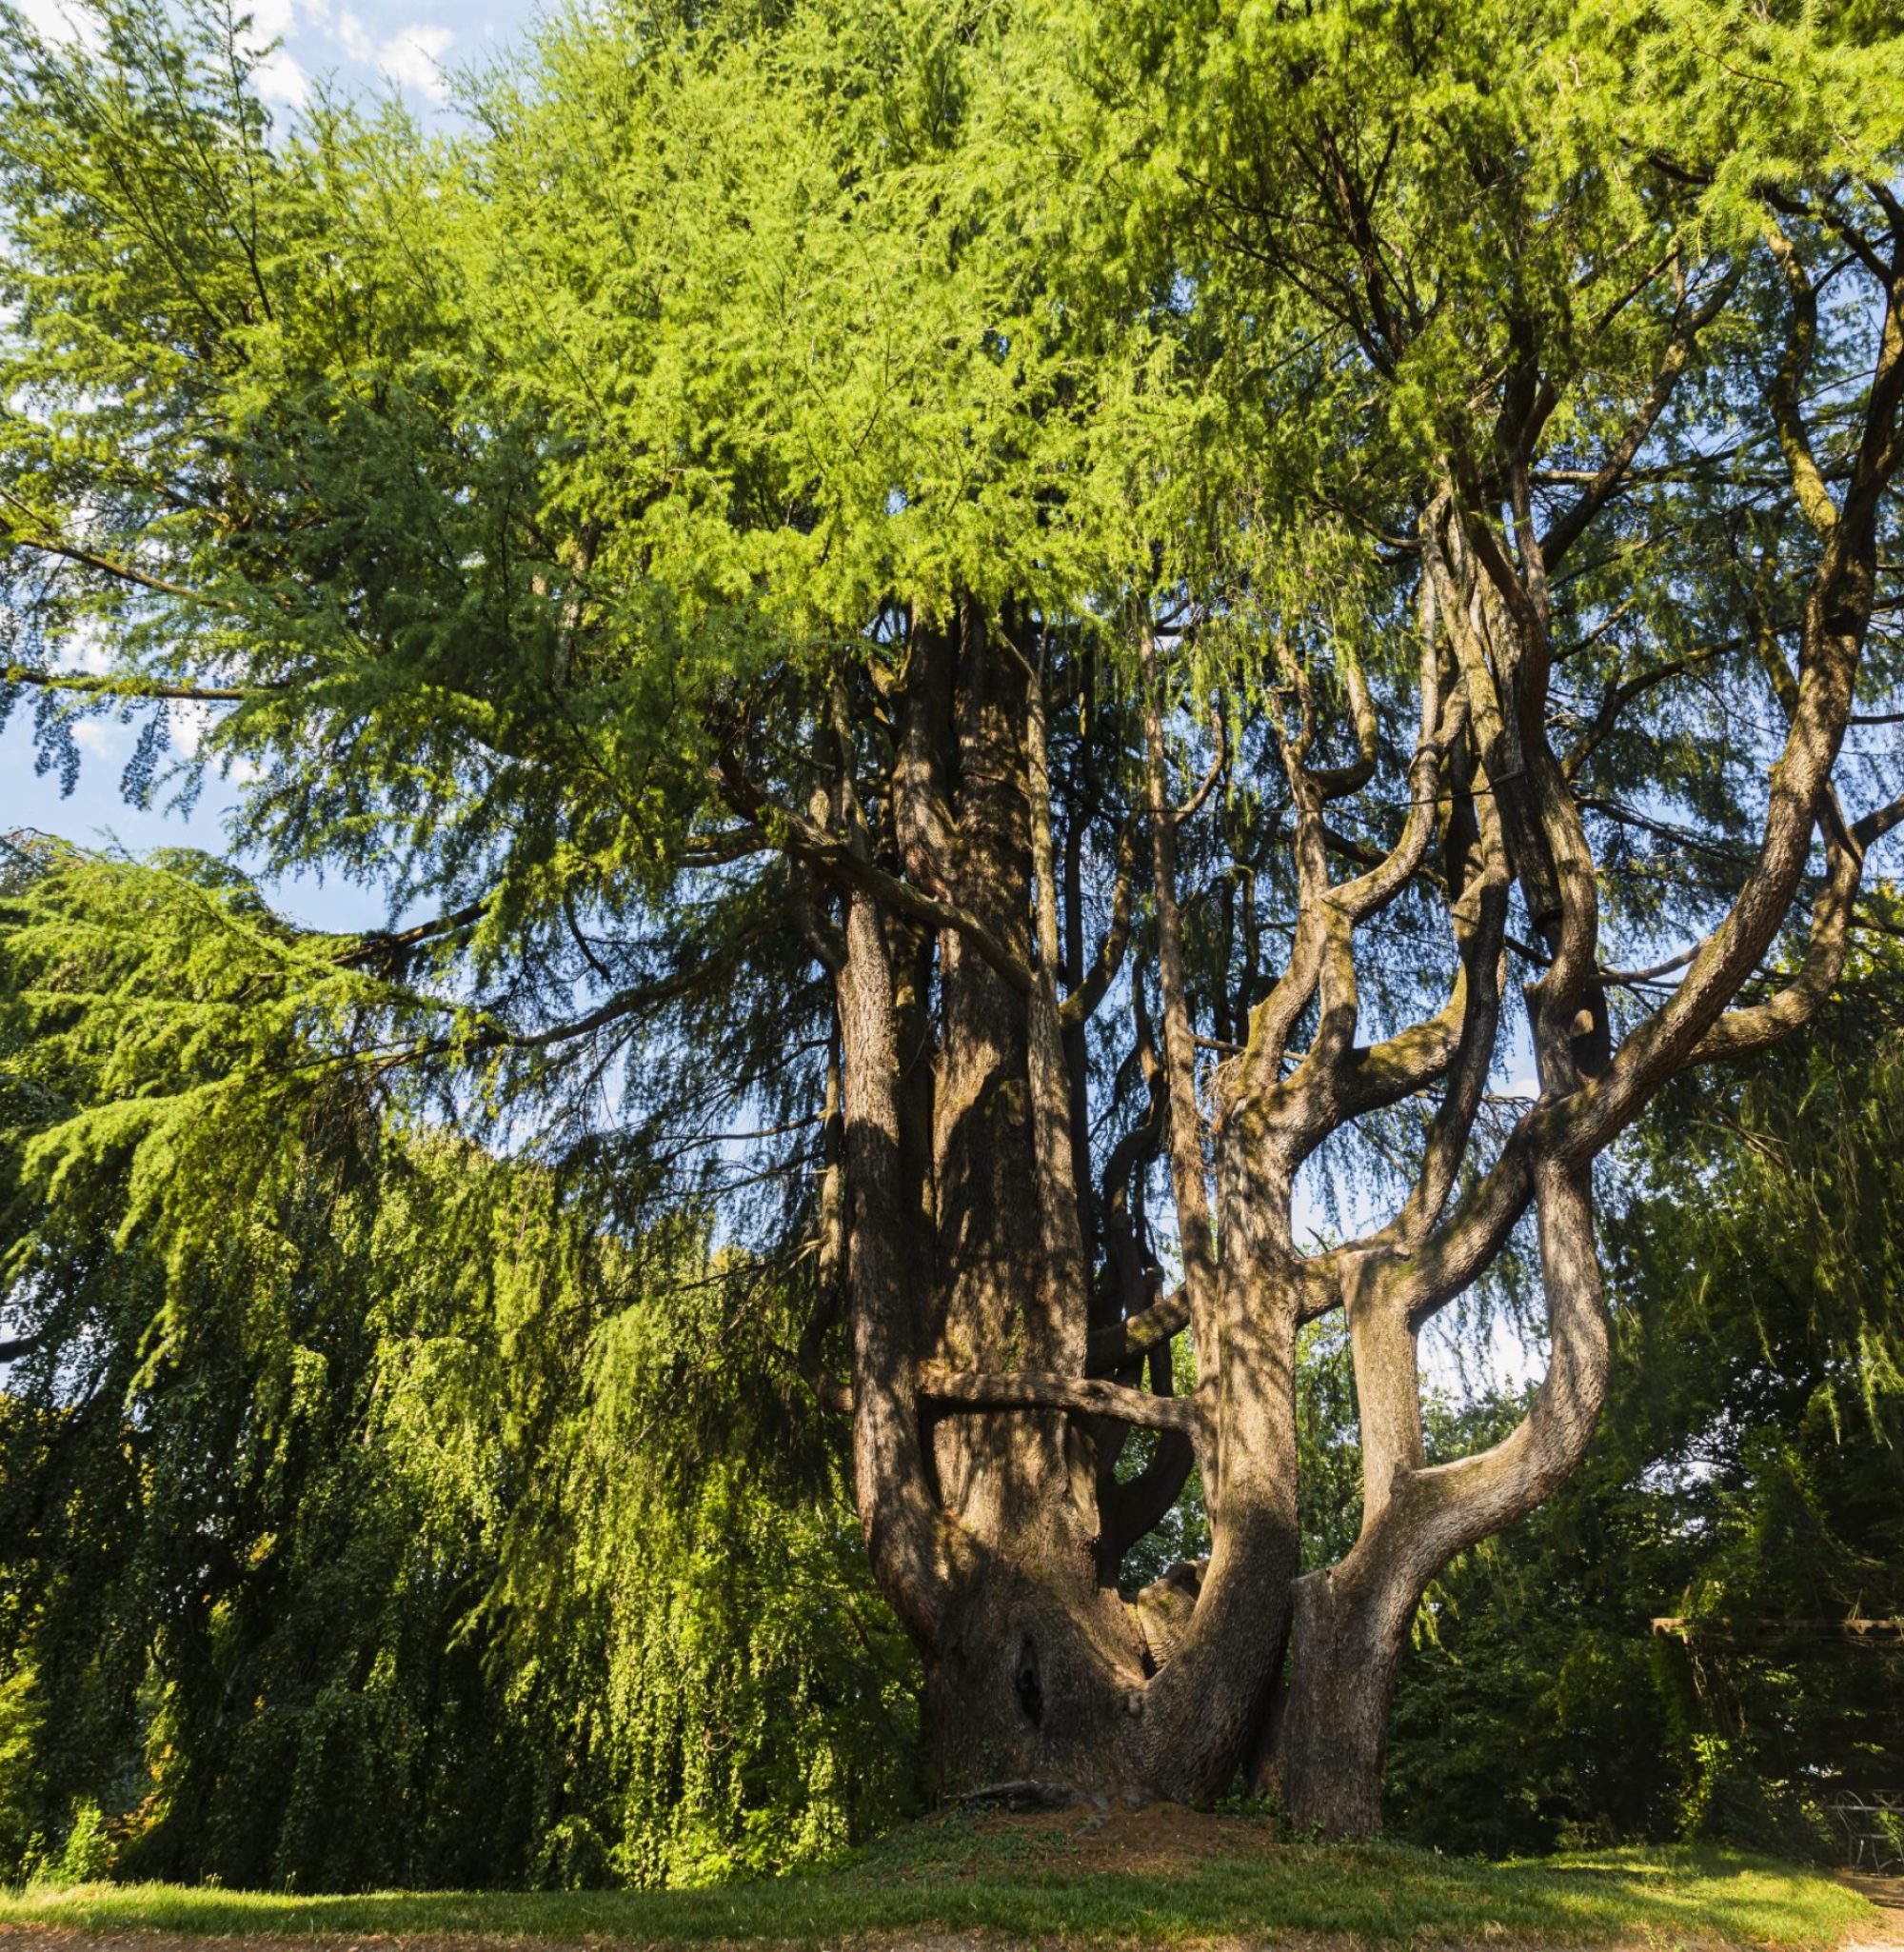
column 1134, row 1879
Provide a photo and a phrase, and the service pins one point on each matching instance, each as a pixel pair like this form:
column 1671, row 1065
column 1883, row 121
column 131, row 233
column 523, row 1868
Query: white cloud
column 279, row 78
column 103, row 738
column 187, row 725
column 270, row 19
column 353, row 38
column 413, row 57
column 62, row 20
column 86, row 649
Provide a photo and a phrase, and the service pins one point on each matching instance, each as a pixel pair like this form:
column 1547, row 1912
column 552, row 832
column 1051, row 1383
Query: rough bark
column 1031, row 1645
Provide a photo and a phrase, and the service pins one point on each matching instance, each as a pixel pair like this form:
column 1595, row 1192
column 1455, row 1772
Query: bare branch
column 376, row 944
column 1569, row 527
column 1120, row 1344
column 1783, row 396
column 1618, row 697
column 1194, row 805
column 1090, row 1396
column 51, row 542
column 1081, row 1005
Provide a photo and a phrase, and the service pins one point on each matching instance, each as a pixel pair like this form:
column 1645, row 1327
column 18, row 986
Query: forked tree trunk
column 1324, row 1766
column 1041, row 1663
column 993, row 1378
column 994, row 1527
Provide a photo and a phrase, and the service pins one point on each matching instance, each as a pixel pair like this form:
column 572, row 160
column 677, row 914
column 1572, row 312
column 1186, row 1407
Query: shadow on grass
column 955, row 1877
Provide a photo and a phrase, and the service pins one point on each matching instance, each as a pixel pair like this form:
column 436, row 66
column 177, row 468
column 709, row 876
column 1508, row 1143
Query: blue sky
column 369, row 45
column 413, row 45
column 95, row 815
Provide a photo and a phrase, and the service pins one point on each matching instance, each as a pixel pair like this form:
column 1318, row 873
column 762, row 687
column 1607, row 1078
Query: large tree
column 991, row 630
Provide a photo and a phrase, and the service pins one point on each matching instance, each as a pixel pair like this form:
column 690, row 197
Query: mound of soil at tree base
column 1164, row 1836
column 1158, row 1837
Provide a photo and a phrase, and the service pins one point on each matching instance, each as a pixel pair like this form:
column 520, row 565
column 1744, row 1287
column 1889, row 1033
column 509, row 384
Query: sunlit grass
column 954, row 1875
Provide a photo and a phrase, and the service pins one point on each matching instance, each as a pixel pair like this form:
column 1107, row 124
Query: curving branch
column 1081, row 1005
column 1439, row 1510
column 977, row 1389
column 1123, row 1343
column 1338, row 781
column 1759, row 1026
column 1193, row 806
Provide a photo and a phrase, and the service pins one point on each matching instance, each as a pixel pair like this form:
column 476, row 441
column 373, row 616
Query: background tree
column 1745, row 1490
column 411, row 1527
column 991, row 635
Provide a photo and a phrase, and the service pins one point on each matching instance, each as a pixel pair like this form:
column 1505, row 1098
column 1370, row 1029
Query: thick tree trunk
column 1027, row 1688
column 1034, row 1655
column 1041, row 1670
column 1325, row 1762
